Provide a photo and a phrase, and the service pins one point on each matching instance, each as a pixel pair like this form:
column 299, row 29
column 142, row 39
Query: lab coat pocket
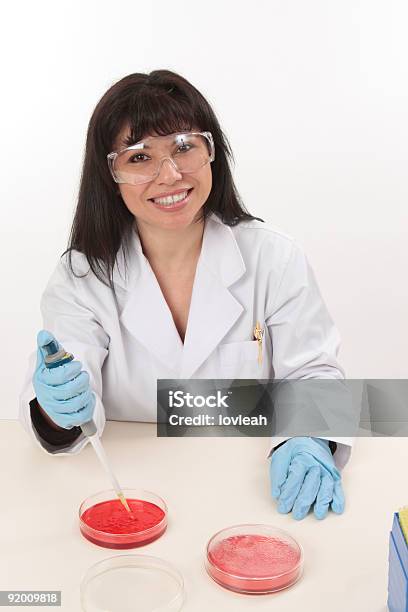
column 240, row 359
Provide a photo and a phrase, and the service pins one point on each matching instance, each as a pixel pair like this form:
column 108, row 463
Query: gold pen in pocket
column 258, row 335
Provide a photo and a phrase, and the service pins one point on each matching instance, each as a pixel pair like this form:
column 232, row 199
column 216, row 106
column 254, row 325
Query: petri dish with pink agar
column 132, row 583
column 103, row 520
column 254, row 559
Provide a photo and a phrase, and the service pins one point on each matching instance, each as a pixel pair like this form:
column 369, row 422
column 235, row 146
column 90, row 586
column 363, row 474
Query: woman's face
column 138, row 198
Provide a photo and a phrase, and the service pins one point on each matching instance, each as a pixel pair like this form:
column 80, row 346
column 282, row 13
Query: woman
column 166, row 276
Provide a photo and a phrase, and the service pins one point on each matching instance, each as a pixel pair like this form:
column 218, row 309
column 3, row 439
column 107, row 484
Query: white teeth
column 171, row 199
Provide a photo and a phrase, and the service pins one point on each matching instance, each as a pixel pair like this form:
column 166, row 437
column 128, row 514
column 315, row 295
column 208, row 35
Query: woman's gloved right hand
column 64, row 392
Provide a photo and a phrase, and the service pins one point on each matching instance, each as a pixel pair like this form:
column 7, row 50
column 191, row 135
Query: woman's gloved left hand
column 303, row 472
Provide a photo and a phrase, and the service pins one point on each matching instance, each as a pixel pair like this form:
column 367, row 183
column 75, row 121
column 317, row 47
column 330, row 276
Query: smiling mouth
column 171, row 200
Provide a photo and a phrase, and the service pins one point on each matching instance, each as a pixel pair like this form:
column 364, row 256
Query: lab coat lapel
column 146, row 314
column 213, row 308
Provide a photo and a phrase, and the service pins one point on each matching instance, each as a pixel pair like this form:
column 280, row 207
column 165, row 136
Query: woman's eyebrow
column 128, row 143
column 145, row 146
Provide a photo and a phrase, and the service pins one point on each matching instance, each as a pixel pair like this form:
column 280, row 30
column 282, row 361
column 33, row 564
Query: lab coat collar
column 213, row 308
column 219, row 250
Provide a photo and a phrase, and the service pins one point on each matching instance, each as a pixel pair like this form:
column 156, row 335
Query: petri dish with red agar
column 254, row 559
column 132, row 583
column 103, row 520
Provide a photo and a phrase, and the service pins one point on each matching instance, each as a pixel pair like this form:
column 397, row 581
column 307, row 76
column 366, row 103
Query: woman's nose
column 168, row 171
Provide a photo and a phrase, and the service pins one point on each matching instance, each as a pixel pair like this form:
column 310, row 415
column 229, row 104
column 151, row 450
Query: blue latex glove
column 302, row 472
column 63, row 392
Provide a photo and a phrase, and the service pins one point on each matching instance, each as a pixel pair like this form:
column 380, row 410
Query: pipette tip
column 124, row 502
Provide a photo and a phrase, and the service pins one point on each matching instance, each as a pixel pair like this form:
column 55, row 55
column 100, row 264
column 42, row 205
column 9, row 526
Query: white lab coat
column 247, row 273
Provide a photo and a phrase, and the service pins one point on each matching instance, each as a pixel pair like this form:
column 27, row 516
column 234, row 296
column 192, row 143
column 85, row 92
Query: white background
column 313, row 97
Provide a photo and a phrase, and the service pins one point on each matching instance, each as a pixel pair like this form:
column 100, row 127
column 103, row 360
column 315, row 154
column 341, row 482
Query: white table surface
column 208, row 484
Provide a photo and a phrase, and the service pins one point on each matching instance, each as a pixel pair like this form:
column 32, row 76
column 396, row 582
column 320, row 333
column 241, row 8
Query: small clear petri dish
column 132, row 583
column 254, row 559
column 103, row 520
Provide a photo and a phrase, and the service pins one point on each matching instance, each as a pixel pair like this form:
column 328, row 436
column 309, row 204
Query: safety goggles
column 142, row 162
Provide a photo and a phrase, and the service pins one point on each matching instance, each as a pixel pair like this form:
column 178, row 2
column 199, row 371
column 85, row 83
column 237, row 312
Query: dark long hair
column 161, row 102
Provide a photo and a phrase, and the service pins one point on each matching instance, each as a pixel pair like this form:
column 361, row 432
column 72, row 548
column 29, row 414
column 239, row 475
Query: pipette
column 56, row 356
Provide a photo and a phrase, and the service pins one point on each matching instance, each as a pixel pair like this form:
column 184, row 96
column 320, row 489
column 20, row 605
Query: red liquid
column 237, row 561
column 109, row 524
